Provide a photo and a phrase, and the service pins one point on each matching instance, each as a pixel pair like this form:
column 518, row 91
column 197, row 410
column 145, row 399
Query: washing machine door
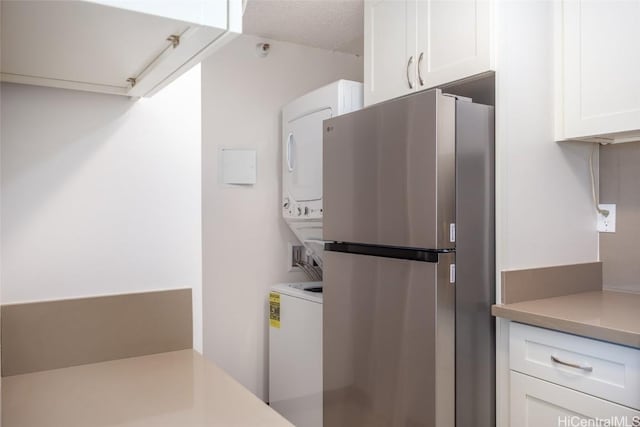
column 303, row 156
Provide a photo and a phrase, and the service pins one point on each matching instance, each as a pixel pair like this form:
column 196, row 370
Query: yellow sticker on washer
column 274, row 310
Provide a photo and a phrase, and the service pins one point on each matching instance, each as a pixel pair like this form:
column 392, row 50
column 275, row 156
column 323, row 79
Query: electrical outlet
column 607, row 224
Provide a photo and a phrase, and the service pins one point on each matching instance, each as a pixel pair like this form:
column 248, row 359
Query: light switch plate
column 607, row 224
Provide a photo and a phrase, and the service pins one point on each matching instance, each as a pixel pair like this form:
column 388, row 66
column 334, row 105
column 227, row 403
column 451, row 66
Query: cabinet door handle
column 572, row 365
column 408, row 67
column 420, row 58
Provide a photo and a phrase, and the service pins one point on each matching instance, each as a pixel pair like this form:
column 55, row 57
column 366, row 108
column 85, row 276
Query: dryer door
column 303, row 156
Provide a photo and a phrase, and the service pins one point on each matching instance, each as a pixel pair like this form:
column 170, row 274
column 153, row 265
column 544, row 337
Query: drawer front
column 537, row 403
column 601, row 369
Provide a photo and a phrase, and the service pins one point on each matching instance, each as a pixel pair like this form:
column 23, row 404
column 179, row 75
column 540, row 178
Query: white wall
column 544, row 213
column 101, row 194
column 545, row 208
column 245, row 239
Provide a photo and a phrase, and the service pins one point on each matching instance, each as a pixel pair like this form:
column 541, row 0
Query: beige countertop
column 604, row 315
column 175, row 389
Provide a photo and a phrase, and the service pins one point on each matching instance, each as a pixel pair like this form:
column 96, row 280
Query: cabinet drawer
column 601, row 369
column 537, row 403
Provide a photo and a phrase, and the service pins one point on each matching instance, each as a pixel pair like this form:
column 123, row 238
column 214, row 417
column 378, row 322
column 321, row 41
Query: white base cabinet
column 411, row 45
column 598, row 77
column 537, row 403
column 558, row 379
column 598, row 368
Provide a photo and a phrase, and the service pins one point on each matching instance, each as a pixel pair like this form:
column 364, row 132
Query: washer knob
column 306, row 210
column 299, row 211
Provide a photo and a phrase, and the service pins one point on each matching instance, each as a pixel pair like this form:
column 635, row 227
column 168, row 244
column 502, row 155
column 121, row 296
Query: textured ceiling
column 328, row 24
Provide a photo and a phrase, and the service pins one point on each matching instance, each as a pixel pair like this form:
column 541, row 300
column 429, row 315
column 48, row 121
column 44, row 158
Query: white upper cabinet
column 599, row 70
column 390, row 49
column 420, row 44
column 131, row 48
column 454, row 40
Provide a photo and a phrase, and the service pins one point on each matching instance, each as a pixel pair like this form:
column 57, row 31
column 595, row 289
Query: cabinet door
column 200, row 12
column 131, row 48
column 601, row 75
column 537, row 403
column 303, row 156
column 390, row 46
column 454, row 40
column 605, row 370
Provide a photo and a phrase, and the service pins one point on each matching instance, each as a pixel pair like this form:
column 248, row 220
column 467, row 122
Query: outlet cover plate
column 607, row 224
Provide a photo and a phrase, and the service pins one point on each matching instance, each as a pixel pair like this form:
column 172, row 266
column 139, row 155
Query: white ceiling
column 328, row 24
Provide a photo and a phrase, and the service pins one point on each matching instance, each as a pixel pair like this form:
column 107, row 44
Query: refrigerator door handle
column 410, row 254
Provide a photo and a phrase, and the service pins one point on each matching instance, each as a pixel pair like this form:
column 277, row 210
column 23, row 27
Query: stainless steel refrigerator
column 408, row 338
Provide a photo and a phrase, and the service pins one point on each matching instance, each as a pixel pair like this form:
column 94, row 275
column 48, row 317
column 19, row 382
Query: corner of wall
column 244, row 236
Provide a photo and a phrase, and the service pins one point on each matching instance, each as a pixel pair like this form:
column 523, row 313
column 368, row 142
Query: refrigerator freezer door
column 382, row 319
column 389, row 173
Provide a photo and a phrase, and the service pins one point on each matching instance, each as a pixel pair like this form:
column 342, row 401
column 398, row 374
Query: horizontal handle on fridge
column 316, row 241
column 411, row 254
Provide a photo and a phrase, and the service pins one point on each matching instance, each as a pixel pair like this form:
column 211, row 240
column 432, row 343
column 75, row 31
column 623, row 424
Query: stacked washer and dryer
column 302, row 157
column 295, row 332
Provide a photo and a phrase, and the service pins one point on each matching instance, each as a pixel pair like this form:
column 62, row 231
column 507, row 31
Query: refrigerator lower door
column 382, row 320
